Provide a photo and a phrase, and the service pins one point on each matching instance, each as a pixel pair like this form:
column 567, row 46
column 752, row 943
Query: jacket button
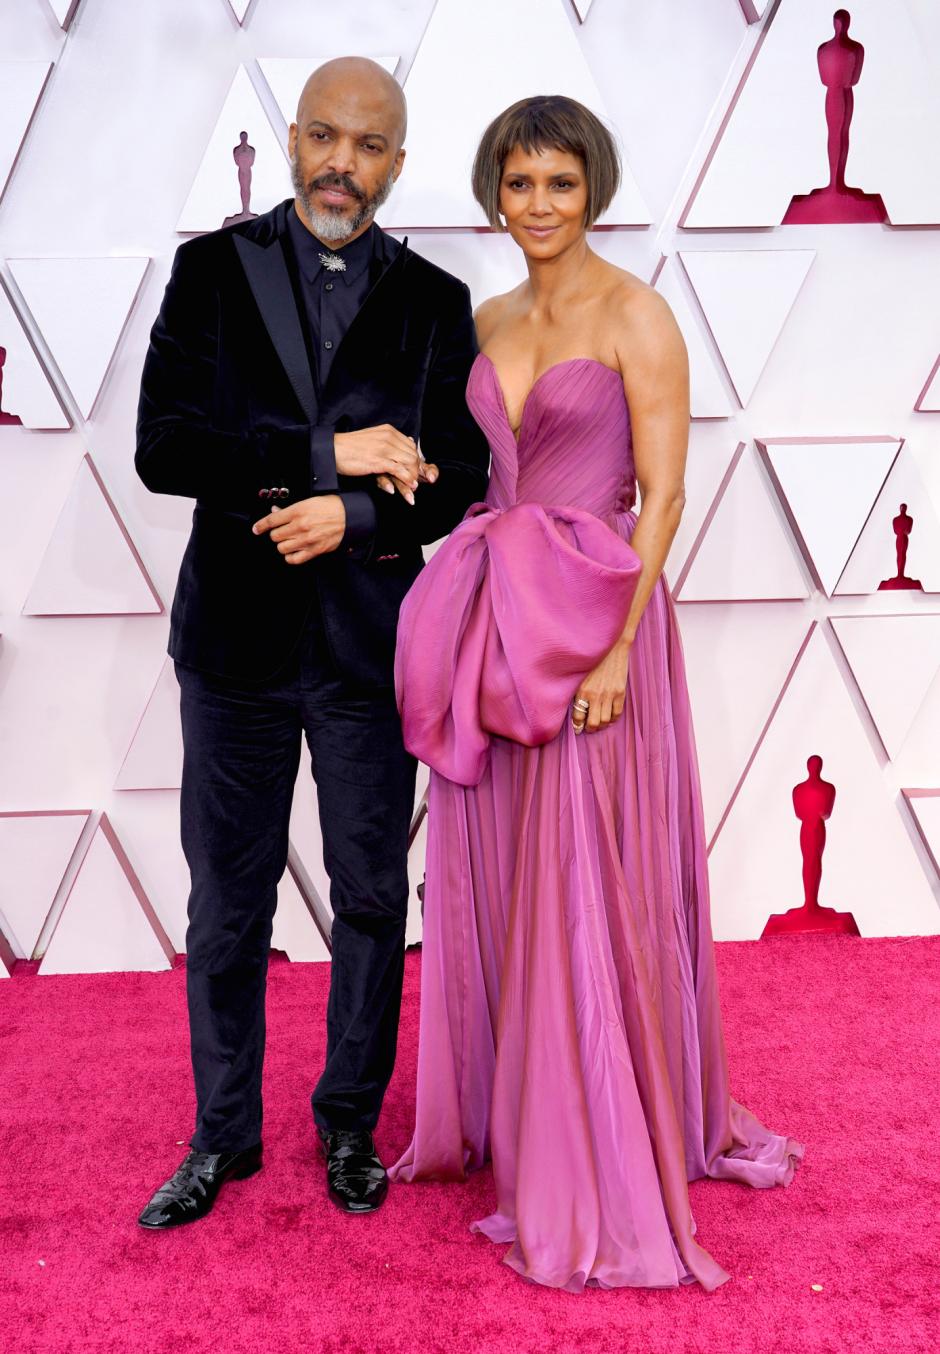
column 283, row 493
column 264, row 493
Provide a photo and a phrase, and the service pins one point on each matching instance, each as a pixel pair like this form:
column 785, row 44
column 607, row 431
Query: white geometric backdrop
column 815, row 390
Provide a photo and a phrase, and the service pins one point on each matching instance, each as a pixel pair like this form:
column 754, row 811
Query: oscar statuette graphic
column 813, row 801
column 244, row 156
column 6, row 418
column 903, row 525
column 840, row 68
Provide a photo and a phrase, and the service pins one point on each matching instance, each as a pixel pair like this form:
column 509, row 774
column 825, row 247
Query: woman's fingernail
column 410, row 497
column 389, row 488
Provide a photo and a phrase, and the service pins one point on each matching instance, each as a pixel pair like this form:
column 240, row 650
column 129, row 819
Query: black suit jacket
column 228, row 406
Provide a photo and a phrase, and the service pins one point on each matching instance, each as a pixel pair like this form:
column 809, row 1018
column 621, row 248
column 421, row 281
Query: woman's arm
column 655, row 368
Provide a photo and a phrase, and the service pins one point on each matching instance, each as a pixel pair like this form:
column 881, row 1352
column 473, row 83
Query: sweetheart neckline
column 565, row 362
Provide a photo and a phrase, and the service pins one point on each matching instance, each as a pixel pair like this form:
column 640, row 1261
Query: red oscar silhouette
column 244, row 157
column 7, row 420
column 902, row 531
column 813, row 800
column 840, row 67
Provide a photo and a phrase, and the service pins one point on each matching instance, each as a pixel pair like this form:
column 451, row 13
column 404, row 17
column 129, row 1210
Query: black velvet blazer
column 228, row 406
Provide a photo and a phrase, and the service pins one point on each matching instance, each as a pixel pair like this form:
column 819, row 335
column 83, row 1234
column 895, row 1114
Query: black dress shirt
column 331, row 301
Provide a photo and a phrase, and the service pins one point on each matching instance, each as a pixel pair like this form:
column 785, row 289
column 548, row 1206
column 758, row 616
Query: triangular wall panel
column 924, row 806
column 154, row 759
column 869, row 865
column 875, row 557
column 35, row 850
column 707, row 392
column 80, row 307
column 21, row 87
column 474, row 60
column 91, row 567
column 743, row 551
column 27, row 398
column 215, row 197
column 239, row 9
column 771, row 144
column 295, row 928
column 746, row 296
column 928, row 401
column 894, row 690
column 828, row 487
column 107, row 923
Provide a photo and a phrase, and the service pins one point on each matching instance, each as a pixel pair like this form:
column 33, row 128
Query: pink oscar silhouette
column 902, row 531
column 813, row 801
column 6, row 419
column 244, row 157
column 840, row 67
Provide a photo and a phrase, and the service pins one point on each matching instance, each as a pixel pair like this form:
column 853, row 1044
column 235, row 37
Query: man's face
column 345, row 156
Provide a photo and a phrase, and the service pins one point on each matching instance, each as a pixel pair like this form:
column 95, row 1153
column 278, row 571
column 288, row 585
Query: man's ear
column 399, row 161
column 292, row 139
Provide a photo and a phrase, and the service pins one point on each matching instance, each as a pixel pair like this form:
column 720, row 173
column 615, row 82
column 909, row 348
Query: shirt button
column 328, row 343
column 328, row 286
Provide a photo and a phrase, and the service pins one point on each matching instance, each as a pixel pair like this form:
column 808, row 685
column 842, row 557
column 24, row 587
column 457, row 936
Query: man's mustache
column 341, row 181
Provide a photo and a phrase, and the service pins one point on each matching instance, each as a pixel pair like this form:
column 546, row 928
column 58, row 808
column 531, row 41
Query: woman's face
column 543, row 197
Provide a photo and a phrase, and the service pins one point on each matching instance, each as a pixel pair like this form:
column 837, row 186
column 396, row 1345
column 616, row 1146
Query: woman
column 570, row 1025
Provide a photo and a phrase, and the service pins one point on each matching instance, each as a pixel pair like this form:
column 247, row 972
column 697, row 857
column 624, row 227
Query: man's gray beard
column 332, row 226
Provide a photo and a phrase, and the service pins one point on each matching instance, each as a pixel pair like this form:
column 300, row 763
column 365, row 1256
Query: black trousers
column 242, row 749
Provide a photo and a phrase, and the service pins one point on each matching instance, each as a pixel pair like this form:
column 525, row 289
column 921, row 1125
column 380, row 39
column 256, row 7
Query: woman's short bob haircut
column 547, row 122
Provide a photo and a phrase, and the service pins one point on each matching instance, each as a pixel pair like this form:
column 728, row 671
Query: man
column 296, row 360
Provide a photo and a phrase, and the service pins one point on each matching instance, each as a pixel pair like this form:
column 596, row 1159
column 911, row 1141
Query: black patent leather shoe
column 356, row 1178
column 192, row 1190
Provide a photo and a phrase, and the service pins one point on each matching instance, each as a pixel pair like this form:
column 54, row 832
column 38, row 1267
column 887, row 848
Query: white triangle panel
column 475, row 60
column 875, row 557
column 925, row 807
column 295, row 931
column 107, row 924
column 771, row 144
column 828, row 488
column 869, row 865
column 708, row 464
column 754, row 9
column 287, row 75
column 738, row 657
column 21, row 87
column 35, row 849
column 583, row 8
column 746, row 296
column 154, row 759
column 928, row 401
column 26, row 396
column 91, row 567
column 80, row 307
column 895, row 660
column 708, row 395
column 64, row 11
column 743, row 552
column 240, row 9
column 215, row 196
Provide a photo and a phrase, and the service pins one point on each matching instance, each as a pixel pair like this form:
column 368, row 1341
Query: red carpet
column 833, row 1040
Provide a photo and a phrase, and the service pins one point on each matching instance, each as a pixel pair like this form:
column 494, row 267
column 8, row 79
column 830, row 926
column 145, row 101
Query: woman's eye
column 517, row 183
column 564, row 184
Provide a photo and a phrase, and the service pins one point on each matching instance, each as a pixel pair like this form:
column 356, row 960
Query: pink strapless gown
column 570, row 1027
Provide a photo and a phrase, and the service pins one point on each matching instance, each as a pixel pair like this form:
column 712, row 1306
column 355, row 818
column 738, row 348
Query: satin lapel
column 266, row 270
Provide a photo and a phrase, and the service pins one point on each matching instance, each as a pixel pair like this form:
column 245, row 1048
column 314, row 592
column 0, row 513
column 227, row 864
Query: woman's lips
column 541, row 232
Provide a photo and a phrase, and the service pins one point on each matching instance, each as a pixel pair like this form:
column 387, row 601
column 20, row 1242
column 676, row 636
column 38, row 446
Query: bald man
column 296, row 362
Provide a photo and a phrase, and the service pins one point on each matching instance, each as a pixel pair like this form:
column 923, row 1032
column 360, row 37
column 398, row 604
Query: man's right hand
column 378, row 451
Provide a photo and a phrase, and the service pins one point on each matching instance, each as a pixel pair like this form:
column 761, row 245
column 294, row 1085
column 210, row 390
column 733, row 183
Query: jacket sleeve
column 450, row 439
column 178, row 449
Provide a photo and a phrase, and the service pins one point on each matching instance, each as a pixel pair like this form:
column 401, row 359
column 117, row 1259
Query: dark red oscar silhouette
column 840, row 67
column 902, row 524
column 813, row 800
column 244, row 157
column 6, row 419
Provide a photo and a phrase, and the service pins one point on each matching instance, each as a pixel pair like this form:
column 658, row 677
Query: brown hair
column 547, row 121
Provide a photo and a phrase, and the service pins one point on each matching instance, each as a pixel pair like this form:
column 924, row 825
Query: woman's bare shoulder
column 490, row 314
column 641, row 316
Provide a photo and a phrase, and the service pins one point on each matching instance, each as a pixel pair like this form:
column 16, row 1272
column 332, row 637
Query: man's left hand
column 312, row 527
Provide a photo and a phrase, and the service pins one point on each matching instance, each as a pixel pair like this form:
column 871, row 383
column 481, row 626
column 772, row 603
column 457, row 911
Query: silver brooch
column 333, row 263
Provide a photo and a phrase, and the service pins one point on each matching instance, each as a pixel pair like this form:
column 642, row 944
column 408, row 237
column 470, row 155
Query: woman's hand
column 604, row 690
column 427, row 474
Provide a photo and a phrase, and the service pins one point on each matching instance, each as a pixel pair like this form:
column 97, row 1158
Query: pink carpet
column 836, row 1039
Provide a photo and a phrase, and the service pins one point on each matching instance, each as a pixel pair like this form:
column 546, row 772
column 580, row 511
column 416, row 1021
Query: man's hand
column 378, row 451
column 312, row 527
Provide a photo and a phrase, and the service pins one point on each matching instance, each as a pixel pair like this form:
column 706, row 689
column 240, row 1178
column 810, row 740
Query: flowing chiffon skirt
column 570, row 1026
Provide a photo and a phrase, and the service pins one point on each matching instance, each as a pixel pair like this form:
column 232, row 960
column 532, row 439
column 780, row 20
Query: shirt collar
column 356, row 255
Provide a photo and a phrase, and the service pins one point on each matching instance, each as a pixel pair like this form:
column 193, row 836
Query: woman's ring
column 581, row 704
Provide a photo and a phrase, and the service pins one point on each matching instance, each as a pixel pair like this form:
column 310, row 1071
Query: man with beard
column 296, row 361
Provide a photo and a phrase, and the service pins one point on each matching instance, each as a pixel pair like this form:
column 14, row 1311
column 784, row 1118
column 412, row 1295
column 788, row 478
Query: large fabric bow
column 500, row 628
